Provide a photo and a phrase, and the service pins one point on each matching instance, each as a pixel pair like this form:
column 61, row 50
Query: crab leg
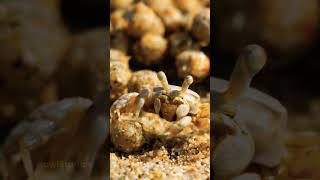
column 163, row 79
column 157, row 105
column 250, row 62
column 26, row 159
column 188, row 80
column 175, row 128
column 140, row 101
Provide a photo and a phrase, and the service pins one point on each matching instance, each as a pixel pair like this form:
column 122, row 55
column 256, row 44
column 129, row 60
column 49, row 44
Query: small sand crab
column 175, row 102
column 131, row 127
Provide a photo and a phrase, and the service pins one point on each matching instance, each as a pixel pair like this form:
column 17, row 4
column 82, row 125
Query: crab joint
column 250, row 62
column 188, row 80
column 163, row 79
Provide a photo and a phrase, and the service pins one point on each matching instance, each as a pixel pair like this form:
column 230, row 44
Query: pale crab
column 131, row 127
column 263, row 117
column 174, row 102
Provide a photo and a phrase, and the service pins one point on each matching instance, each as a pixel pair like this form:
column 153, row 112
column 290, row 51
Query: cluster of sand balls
column 170, row 35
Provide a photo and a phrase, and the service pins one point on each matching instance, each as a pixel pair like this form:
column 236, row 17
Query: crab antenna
column 163, row 79
column 188, row 80
column 250, row 62
column 141, row 100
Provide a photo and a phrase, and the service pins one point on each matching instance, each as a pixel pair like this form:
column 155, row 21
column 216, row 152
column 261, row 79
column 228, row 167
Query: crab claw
column 178, row 127
column 188, row 80
column 250, row 62
column 182, row 110
column 164, row 82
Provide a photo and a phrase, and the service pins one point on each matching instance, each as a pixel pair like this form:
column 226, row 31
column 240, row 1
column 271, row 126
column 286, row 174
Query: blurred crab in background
column 46, row 60
column 252, row 124
column 33, row 149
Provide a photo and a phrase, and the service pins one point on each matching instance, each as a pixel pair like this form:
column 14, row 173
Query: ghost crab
column 132, row 125
column 174, row 102
column 262, row 116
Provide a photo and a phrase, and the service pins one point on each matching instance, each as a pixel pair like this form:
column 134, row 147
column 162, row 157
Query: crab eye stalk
column 254, row 58
column 164, row 82
column 250, row 62
column 188, row 80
